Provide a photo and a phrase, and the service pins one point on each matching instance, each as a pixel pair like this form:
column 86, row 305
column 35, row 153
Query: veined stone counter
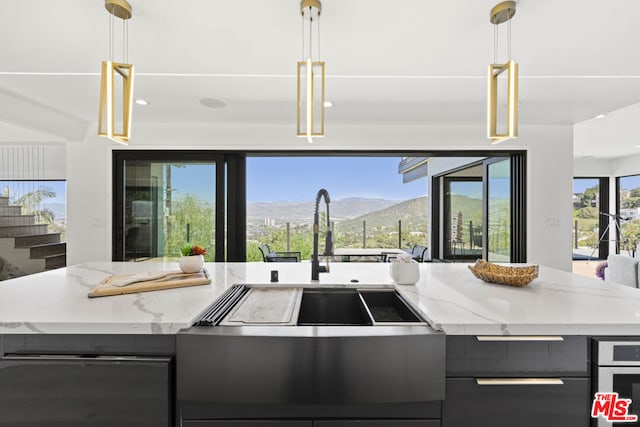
column 447, row 295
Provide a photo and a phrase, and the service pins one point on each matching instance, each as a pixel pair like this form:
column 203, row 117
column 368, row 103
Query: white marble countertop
column 447, row 294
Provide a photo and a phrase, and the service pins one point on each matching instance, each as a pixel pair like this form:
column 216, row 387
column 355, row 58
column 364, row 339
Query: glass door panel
column 462, row 218
column 498, row 221
column 167, row 205
column 629, row 214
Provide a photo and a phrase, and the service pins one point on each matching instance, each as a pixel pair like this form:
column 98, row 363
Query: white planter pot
column 191, row 264
column 405, row 273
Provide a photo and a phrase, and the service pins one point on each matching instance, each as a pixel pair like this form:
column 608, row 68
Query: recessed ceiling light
column 328, row 104
column 601, row 116
column 141, row 101
column 212, row 103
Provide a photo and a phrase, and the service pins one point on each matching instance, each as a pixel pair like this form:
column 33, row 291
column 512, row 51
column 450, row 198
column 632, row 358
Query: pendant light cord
column 509, row 42
column 310, row 33
column 110, row 37
column 495, row 43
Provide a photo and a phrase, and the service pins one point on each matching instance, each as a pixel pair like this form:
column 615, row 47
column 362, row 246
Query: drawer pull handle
column 523, row 338
column 519, row 381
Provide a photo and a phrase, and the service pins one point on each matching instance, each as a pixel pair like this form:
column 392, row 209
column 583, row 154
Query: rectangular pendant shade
column 512, row 101
column 310, row 99
column 116, row 125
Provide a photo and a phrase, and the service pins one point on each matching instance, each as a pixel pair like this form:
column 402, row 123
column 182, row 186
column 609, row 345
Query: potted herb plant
column 192, row 260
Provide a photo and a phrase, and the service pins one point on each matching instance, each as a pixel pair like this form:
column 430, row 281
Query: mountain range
column 302, row 212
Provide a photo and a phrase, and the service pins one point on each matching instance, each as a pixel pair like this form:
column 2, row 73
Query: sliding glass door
column 462, row 218
column 479, row 210
column 498, row 209
column 163, row 204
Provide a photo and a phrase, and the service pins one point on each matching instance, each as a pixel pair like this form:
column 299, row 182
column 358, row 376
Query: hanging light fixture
column 116, row 124
column 502, row 12
column 310, row 77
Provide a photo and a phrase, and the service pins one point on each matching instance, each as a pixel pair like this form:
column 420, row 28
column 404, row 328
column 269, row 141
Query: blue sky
column 196, row 179
column 626, row 182
column 299, row 178
column 630, row 182
column 21, row 187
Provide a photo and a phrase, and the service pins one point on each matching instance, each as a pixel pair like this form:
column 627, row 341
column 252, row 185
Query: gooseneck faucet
column 316, row 268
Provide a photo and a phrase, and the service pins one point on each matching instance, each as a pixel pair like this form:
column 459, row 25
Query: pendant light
column 502, row 12
column 310, row 76
column 116, row 125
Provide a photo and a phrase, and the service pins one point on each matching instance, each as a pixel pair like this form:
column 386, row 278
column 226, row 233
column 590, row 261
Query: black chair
column 270, row 256
column 388, row 256
column 418, row 252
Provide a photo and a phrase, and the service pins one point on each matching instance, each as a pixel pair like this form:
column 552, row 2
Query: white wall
column 629, row 165
column 549, row 166
column 36, row 162
column 592, row 168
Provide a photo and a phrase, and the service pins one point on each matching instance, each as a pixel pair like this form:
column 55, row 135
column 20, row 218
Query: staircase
column 27, row 247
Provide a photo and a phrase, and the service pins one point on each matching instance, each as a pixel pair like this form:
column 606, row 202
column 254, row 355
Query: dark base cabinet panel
column 467, row 356
column 67, row 391
column 246, row 423
column 377, row 423
column 470, row 404
column 309, row 423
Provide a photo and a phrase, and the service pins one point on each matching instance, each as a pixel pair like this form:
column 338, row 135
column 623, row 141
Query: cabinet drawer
column 526, row 404
column 377, row 423
column 477, row 356
column 73, row 391
column 247, row 423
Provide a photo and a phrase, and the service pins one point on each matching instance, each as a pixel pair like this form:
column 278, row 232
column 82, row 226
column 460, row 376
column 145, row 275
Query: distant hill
column 302, row 212
column 412, row 213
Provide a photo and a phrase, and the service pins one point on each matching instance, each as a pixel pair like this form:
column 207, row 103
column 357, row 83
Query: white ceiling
column 395, row 62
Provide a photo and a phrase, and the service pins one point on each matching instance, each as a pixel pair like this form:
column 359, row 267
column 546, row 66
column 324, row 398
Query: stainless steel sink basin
column 348, row 347
column 332, row 307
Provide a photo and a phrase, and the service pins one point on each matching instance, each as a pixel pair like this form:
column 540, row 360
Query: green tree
column 31, row 202
column 199, row 215
column 587, row 213
column 590, row 195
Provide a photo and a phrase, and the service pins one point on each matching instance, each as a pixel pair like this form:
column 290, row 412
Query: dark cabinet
column 310, row 423
column 562, row 402
column 517, row 380
column 246, row 423
column 377, row 423
column 77, row 391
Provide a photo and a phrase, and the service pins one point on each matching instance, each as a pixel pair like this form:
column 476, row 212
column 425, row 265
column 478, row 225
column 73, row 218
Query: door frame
column 446, row 212
column 518, row 205
column 201, row 156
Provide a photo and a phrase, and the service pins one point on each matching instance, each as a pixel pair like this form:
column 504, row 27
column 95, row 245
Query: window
column 45, row 200
column 463, row 217
column 628, row 215
column 479, row 209
column 591, row 220
column 370, row 206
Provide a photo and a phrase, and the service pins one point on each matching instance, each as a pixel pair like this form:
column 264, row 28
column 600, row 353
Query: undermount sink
column 332, row 307
column 352, row 307
column 322, row 306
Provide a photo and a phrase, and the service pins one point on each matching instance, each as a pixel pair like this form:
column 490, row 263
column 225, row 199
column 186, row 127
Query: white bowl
column 404, row 273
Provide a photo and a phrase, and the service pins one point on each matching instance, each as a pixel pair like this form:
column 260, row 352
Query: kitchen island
column 505, row 347
column 447, row 295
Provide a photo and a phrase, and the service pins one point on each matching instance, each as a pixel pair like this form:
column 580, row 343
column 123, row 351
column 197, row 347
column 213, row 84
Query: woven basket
column 512, row 276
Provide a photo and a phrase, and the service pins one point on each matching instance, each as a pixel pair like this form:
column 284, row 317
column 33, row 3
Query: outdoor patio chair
column 418, row 252
column 270, row 256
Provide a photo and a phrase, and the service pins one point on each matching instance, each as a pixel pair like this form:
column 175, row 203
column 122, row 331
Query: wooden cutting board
column 171, row 281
